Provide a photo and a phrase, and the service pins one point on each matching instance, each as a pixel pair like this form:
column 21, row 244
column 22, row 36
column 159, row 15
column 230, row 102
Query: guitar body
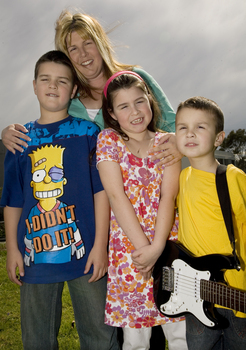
column 177, row 282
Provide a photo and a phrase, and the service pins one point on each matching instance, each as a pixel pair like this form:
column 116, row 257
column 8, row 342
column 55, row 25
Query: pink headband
column 115, row 76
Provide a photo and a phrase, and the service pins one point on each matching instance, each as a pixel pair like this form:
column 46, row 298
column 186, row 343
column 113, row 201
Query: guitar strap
column 225, row 203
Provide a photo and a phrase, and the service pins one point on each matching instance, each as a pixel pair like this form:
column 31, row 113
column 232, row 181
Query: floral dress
column 130, row 301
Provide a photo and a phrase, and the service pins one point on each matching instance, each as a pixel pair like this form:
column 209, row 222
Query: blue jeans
column 204, row 338
column 41, row 309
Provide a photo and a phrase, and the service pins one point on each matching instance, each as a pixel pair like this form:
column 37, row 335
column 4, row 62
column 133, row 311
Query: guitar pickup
column 167, row 278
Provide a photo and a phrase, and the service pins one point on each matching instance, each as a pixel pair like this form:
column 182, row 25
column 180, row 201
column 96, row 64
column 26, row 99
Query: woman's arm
column 14, row 257
column 145, row 258
column 11, row 137
column 98, row 256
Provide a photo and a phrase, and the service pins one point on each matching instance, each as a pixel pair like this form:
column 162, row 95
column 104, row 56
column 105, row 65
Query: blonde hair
column 88, row 28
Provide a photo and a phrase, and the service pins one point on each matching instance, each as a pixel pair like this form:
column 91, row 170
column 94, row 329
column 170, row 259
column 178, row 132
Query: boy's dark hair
column 205, row 104
column 126, row 81
column 56, row 57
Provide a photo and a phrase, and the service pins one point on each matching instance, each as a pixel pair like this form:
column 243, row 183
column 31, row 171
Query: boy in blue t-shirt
column 51, row 191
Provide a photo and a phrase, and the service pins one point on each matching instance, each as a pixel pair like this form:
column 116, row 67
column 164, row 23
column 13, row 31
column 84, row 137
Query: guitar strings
column 192, row 287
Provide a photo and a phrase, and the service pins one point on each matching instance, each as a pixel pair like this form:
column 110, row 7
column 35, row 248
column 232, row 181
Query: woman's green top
column 167, row 123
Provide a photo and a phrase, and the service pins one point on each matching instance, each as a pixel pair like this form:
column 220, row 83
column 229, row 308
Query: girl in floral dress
column 142, row 198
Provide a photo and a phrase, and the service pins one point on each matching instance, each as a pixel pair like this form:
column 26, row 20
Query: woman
column 85, row 42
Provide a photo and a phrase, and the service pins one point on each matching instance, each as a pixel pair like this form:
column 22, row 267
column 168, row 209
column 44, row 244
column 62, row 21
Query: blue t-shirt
column 54, row 181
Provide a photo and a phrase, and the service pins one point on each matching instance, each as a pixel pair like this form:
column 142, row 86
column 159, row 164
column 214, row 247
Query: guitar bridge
column 167, row 278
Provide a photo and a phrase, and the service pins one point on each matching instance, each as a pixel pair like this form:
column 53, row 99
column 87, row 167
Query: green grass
column 10, row 331
column 2, row 232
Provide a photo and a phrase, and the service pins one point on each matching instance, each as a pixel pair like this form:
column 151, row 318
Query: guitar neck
column 222, row 295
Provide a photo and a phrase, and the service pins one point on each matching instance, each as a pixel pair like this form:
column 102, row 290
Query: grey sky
column 191, row 47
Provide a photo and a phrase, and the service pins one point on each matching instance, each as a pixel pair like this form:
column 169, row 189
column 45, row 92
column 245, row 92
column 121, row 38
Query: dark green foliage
column 235, row 142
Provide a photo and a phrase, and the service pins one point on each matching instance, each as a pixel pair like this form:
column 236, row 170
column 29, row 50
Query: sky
column 190, row 47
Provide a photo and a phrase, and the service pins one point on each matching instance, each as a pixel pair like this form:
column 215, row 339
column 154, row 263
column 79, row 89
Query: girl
column 142, row 210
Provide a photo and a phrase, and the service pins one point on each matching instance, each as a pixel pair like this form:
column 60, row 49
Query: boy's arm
column 145, row 258
column 98, row 256
column 14, row 257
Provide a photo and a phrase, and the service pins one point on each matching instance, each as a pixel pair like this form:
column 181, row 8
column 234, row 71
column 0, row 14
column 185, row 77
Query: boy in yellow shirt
column 199, row 130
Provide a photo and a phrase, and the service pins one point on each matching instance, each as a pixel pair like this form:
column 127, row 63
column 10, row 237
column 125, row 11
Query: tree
column 235, row 142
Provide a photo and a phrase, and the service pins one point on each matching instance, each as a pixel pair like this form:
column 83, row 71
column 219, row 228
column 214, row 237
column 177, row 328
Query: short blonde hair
column 87, row 27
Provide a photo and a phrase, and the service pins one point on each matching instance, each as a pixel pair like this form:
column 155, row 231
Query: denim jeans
column 204, row 338
column 41, row 309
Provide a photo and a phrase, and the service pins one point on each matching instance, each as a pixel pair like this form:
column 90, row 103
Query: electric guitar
column 187, row 284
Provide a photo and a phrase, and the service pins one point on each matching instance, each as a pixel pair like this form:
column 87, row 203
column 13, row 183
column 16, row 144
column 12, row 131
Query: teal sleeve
column 167, row 122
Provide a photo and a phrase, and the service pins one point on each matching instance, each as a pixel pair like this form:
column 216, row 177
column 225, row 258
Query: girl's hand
column 168, row 153
column 11, row 137
column 146, row 275
column 99, row 259
column 13, row 264
column 145, row 258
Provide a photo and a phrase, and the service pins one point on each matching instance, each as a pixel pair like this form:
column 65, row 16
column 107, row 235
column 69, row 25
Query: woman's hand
column 166, row 151
column 11, row 137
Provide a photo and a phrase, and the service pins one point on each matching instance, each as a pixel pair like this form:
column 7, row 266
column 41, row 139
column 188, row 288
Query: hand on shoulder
column 11, row 137
column 166, row 151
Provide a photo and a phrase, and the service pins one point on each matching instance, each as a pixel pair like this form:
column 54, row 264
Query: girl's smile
column 137, row 121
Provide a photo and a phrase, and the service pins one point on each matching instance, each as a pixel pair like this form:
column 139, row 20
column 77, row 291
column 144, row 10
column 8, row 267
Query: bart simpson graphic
column 52, row 234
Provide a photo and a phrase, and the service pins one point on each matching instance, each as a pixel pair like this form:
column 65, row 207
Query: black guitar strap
column 225, row 203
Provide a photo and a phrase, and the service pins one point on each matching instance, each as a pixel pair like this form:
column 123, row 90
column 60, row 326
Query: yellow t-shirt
column 201, row 225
